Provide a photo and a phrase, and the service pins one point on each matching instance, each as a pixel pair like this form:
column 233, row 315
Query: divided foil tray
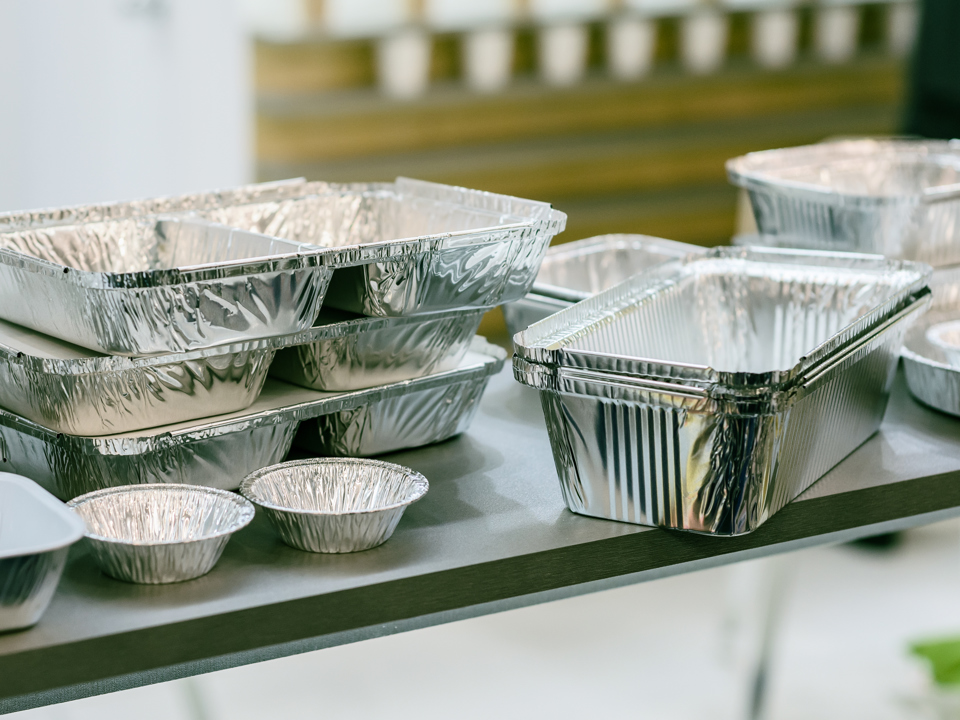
column 898, row 198
column 706, row 394
column 221, row 451
column 571, row 272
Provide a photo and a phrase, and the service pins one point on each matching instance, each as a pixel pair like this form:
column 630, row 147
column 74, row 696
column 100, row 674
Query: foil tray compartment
column 157, row 534
column 216, row 452
column 36, row 532
column 410, row 247
column 706, row 394
column 898, row 198
column 334, row 505
column 571, row 272
column 931, row 377
column 145, row 286
column 348, row 352
column 79, row 392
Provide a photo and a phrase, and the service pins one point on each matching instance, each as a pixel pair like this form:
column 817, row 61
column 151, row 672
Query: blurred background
column 619, row 112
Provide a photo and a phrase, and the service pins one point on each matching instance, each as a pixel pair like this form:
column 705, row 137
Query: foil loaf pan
column 933, row 377
column 409, row 247
column 36, row 531
column 574, row 271
column 219, row 452
column 76, row 391
column 145, row 286
column 707, row 393
column 898, row 198
column 343, row 351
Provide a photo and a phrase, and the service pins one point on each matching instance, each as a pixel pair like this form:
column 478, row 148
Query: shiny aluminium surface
column 76, row 391
column 343, row 351
column 36, row 531
column 706, row 401
column 899, row 198
column 334, row 505
column 410, row 247
column 571, row 272
column 932, row 377
column 156, row 534
column 217, row 452
column 144, row 286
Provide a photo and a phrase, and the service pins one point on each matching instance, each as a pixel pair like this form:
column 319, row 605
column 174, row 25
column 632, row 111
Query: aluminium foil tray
column 931, row 377
column 149, row 285
column 707, row 393
column 343, row 351
column 408, row 247
column 221, row 451
column 36, row 531
column 898, row 198
column 571, row 272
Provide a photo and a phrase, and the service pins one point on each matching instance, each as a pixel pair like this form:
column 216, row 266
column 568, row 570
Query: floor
column 683, row 647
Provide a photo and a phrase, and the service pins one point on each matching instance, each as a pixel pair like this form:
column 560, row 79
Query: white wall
column 119, row 99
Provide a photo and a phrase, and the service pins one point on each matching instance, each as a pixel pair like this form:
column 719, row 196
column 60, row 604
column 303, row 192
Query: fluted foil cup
column 334, row 505
column 160, row 533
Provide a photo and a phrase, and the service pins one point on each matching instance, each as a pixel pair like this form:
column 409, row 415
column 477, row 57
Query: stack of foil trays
column 898, row 198
column 137, row 338
column 574, row 271
column 708, row 392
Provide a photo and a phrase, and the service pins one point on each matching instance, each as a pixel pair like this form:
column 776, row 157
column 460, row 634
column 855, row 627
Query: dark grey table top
column 491, row 534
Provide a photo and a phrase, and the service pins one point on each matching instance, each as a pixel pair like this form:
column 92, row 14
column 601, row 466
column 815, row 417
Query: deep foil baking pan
column 36, row 531
column 410, row 247
column 73, row 390
column 344, row 351
column 898, row 198
column 574, row 271
column 221, row 451
column 932, row 377
column 705, row 394
column 144, row 286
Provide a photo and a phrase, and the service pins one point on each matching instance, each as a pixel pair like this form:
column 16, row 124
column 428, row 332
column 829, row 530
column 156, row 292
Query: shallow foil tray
column 409, row 247
column 931, row 378
column 221, row 451
column 643, row 427
column 571, row 272
column 344, row 351
column 152, row 285
column 71, row 390
column 899, row 198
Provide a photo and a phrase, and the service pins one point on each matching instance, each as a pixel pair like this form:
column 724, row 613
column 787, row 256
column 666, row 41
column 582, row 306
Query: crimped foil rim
column 741, row 175
column 247, row 486
column 245, row 505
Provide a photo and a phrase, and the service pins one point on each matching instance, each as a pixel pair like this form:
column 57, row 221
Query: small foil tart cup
column 334, row 505
column 160, row 533
column 946, row 337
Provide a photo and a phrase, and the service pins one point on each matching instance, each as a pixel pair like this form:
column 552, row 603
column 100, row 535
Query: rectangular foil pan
column 571, row 272
column 221, row 451
column 899, row 198
column 707, row 393
column 153, row 285
column 343, row 351
column 409, row 247
column 931, row 377
column 71, row 390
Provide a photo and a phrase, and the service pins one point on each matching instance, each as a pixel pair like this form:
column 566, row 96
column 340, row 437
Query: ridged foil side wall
column 158, row 564
column 27, row 583
column 671, row 460
column 376, row 357
column 335, row 533
column 221, row 461
column 411, row 420
column 107, row 403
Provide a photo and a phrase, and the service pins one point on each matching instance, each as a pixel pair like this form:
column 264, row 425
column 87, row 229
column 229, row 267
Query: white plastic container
column 403, row 63
column 631, row 43
column 902, row 23
column 703, row 40
column 835, row 31
column 36, row 531
column 563, row 40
